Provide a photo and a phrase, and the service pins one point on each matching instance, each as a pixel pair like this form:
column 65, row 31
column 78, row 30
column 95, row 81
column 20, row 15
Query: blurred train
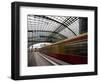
column 73, row 50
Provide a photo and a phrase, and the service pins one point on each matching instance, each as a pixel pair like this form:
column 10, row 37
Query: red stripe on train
column 72, row 59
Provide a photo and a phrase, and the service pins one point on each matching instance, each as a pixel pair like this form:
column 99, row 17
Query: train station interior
column 56, row 40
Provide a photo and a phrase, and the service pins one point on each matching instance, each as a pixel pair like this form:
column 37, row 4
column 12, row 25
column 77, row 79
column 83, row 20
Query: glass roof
column 49, row 28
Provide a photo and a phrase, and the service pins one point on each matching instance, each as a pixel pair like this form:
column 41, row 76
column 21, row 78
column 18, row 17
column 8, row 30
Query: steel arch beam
column 42, row 16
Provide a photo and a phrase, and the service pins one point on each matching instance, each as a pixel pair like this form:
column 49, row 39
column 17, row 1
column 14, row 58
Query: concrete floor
column 38, row 59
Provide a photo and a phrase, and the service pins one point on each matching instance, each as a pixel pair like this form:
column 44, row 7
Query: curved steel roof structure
column 48, row 28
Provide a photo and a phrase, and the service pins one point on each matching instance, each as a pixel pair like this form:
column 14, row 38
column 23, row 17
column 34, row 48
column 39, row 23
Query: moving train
column 73, row 50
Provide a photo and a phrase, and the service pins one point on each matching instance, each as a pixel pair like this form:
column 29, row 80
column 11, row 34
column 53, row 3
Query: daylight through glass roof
column 47, row 28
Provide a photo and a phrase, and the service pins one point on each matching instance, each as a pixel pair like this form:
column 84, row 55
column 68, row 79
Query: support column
column 83, row 25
